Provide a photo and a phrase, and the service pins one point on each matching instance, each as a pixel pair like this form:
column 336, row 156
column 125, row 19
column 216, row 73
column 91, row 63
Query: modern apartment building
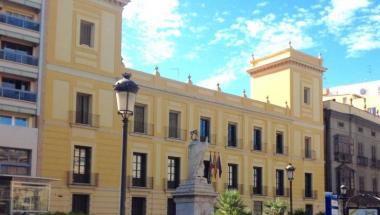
column 364, row 95
column 352, row 146
column 20, row 50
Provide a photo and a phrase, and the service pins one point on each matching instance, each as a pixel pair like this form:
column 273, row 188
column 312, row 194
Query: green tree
column 230, row 203
column 275, row 207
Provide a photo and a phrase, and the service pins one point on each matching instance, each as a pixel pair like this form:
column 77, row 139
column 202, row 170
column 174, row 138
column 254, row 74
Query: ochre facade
column 278, row 86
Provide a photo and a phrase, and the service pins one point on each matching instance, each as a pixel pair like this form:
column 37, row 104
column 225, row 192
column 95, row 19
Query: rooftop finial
column 156, row 71
column 253, row 56
column 218, row 86
column 189, row 79
column 320, row 55
column 244, row 94
column 267, row 99
column 290, row 44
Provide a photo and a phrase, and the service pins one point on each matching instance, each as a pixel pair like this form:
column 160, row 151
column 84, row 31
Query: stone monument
column 195, row 196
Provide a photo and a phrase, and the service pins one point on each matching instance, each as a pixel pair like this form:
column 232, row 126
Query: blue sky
column 214, row 40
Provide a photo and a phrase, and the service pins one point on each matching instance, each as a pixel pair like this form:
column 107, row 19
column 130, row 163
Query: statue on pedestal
column 197, row 152
column 195, row 196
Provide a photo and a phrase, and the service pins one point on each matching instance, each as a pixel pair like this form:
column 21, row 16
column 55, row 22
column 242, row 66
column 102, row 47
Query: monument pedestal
column 195, row 197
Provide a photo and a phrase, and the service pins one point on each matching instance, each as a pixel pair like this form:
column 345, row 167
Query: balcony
column 91, row 180
column 237, row 144
column 175, row 133
column 280, row 151
column 142, row 128
column 19, row 22
column 11, row 55
column 310, row 194
column 80, row 118
column 211, row 139
column 374, row 163
column 259, row 191
column 362, row 161
column 259, row 148
column 310, row 155
column 280, row 192
column 140, row 183
column 238, row 187
column 20, row 95
column 343, row 157
column 170, row 185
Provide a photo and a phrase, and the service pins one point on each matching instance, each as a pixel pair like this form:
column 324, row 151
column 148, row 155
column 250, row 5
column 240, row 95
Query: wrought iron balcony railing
column 310, row 194
column 91, row 179
column 146, row 182
column 142, row 128
column 280, row 192
column 280, row 150
column 19, row 22
column 211, row 138
column 310, row 155
column 12, row 55
column 176, row 133
column 21, row 95
column 236, row 143
column 362, row 161
column 170, row 185
column 262, row 147
column 259, row 191
column 84, row 119
column 238, row 187
column 343, row 157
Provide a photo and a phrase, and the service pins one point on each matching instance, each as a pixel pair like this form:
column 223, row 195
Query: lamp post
column 343, row 193
column 126, row 91
column 290, row 172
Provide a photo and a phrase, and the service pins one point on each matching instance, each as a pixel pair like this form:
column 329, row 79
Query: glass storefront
column 25, row 196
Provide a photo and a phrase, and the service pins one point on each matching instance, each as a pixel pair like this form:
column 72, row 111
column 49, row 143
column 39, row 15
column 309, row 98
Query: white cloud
column 228, row 73
column 341, row 13
column 262, row 4
column 364, row 38
column 219, row 19
column 268, row 34
column 156, row 24
column 356, row 25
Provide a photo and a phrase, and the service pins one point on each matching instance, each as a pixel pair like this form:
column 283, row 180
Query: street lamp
column 290, row 172
column 126, row 91
column 343, row 193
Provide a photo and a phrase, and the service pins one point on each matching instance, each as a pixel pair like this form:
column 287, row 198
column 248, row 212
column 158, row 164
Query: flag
column 219, row 165
column 214, row 165
column 210, row 166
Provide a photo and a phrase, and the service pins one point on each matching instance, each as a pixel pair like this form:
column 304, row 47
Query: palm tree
column 276, row 207
column 230, row 203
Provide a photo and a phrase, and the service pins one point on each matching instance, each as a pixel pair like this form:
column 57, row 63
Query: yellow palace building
column 79, row 130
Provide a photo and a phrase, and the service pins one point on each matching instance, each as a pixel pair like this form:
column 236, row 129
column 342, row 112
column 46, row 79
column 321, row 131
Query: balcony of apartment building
column 342, row 157
column 77, row 178
column 17, row 94
column 259, row 190
column 23, row 25
column 18, row 150
column 18, row 58
column 310, row 194
column 362, row 160
column 140, row 182
column 234, row 186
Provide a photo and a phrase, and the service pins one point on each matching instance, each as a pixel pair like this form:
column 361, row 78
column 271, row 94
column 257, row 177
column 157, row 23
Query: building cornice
column 286, row 61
